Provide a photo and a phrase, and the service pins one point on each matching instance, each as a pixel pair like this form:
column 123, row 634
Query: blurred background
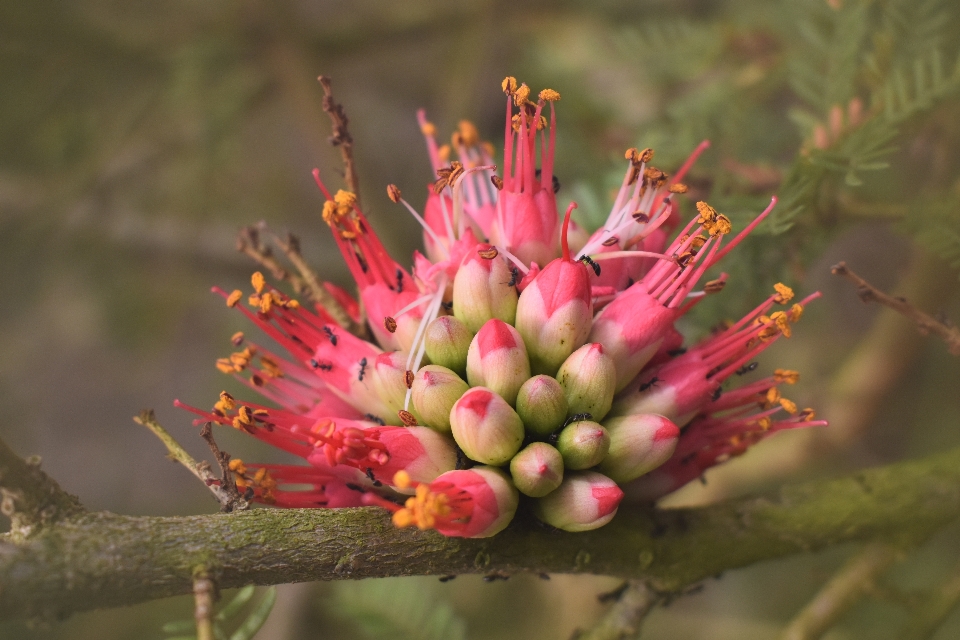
column 136, row 139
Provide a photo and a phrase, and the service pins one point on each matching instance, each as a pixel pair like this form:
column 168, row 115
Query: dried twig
column 204, row 595
column 341, row 136
column 248, row 242
column 925, row 324
column 854, row 580
column 634, row 599
column 315, row 288
column 223, row 489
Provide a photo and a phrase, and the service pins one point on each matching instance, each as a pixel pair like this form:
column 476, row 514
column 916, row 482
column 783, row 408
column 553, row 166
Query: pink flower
column 518, row 341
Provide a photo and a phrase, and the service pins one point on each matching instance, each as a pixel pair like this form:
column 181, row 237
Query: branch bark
column 100, row 560
column 624, row 619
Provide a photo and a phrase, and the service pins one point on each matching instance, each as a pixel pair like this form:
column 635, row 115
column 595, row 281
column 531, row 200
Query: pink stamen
column 563, row 232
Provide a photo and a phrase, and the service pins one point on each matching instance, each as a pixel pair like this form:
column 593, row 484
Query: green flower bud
column 447, row 341
column 498, row 360
column 638, row 444
column 537, row 469
column 482, row 290
column 583, row 444
column 542, row 405
column 588, row 378
column 487, row 429
column 434, row 392
column 585, row 500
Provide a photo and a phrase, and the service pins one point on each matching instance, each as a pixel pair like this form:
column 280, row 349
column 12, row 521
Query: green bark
column 96, row 560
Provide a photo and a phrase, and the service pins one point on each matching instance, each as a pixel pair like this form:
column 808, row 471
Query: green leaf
column 257, row 617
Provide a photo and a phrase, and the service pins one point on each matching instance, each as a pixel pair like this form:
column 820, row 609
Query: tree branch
column 635, row 599
column 29, row 497
column 925, row 324
column 844, row 590
column 341, row 136
column 102, row 560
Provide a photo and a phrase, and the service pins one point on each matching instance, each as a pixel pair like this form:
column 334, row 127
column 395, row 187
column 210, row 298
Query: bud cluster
column 542, row 361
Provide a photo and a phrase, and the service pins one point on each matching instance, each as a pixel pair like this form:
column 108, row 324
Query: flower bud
column 583, row 444
column 434, row 392
column 588, row 378
column 482, row 290
column 447, row 340
column 554, row 314
column 389, row 377
column 638, row 444
column 542, row 405
column 537, row 469
column 585, row 500
column 497, row 359
column 487, row 429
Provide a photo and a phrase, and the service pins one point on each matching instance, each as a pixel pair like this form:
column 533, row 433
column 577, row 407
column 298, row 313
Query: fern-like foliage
column 392, row 609
column 245, row 627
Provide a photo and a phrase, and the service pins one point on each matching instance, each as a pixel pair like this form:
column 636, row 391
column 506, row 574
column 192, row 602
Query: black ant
column 747, row 368
column 363, row 368
column 514, row 277
column 331, row 335
column 650, row 383
column 555, row 181
column 399, row 280
column 447, row 305
column 373, row 478
column 588, row 260
column 362, row 262
column 377, row 419
column 447, row 578
column 323, row 366
column 676, row 352
column 578, row 417
column 717, row 394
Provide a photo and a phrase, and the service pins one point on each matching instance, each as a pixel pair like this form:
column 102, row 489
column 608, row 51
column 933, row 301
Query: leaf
column 257, row 617
column 391, row 609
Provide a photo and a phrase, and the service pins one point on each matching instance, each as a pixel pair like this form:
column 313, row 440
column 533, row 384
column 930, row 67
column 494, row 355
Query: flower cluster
column 521, row 354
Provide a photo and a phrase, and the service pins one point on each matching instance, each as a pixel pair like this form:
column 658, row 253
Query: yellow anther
column 225, row 366
column 393, row 192
column 764, row 423
column 428, row 129
column 632, row 155
column 254, row 300
column 234, row 298
column 542, row 123
column 345, row 200
column 707, row 213
column 807, row 415
column 509, row 85
column 714, row 286
column 330, row 212
column 789, row 406
column 786, row 375
column 784, row 293
column 401, row 479
column 348, row 235
column 497, row 182
column 292, row 304
column 237, row 338
column 796, row 312
column 270, row 367
column 487, row 148
column 443, row 153
column 469, row 136
column 782, row 322
column 697, row 242
column 245, row 414
column 521, row 95
column 549, row 95
column 646, row 155
column 227, row 401
column 678, row 188
column 266, row 302
column 236, row 465
column 723, row 224
column 258, row 281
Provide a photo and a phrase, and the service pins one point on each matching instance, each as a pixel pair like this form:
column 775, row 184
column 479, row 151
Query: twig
column 29, row 497
column 204, row 595
column 248, row 242
column 634, row 600
column 223, row 489
column 854, row 580
column 925, row 324
column 928, row 617
column 341, row 136
column 315, row 288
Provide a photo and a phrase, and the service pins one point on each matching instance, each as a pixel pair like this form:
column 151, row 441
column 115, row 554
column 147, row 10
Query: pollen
column 258, row 281
column 237, row 338
column 443, row 153
column 784, row 293
column 469, row 136
column 488, row 254
column 714, row 286
column 408, row 378
column 707, row 213
column 234, row 298
column 407, row 418
column 787, row 376
column 428, row 129
column 646, row 155
column 509, row 85
column 393, row 192
column 224, row 365
column 390, row 324
column 678, row 188
column 226, row 403
column 423, row 509
column 266, row 302
column 782, row 321
column 789, row 406
column 773, row 396
column 497, row 182
column 796, row 312
column 401, row 479
column 632, row 155
column 521, row 95
column 807, row 415
column 549, row 95
column 270, row 367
